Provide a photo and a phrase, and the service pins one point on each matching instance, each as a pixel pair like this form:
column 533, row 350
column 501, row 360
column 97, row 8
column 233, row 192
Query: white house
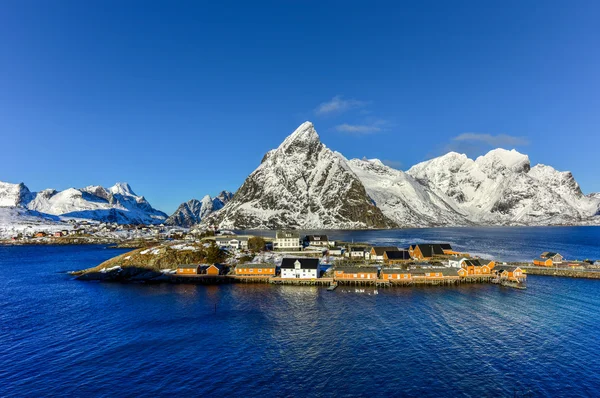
column 336, row 251
column 300, row 268
column 230, row 242
column 355, row 252
column 318, row 240
column 287, row 240
column 457, row 262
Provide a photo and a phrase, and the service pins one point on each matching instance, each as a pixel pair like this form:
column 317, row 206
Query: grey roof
column 228, row 238
column 394, row 271
column 445, row 271
column 379, row 250
column 305, row 263
column 195, row 266
column 255, row 266
column 286, row 234
column 354, row 270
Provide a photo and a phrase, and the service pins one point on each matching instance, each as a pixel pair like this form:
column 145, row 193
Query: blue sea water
column 63, row 337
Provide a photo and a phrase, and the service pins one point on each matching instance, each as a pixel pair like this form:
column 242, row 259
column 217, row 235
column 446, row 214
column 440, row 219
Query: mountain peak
column 502, row 158
column 304, row 136
column 121, row 188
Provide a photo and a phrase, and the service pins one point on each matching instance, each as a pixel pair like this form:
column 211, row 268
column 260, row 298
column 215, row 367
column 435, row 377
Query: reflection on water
column 64, row 337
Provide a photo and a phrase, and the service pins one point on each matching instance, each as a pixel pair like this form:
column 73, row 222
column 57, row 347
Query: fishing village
column 315, row 260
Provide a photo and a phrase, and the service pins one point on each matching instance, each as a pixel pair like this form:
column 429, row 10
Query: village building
column 40, row 234
column 477, row 266
column 427, row 251
column 356, row 273
column 287, row 240
column 510, row 273
column 188, row 269
column 395, row 274
column 355, row 252
column 255, row 270
column 376, row 252
column 435, row 273
column 336, row 251
column 318, row 240
column 555, row 257
column 58, row 234
column 543, row 262
column 228, row 242
column 300, row 268
column 213, row 269
column 396, row 257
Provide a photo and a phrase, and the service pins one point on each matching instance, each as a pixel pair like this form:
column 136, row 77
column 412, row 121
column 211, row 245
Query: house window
column 259, row 270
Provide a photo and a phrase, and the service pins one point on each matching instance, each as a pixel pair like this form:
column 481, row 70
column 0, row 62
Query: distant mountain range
column 117, row 204
column 303, row 184
column 193, row 211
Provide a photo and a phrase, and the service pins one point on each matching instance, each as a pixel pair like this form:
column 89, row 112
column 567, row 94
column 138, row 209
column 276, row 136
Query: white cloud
column 500, row 140
column 338, row 105
column 357, row 128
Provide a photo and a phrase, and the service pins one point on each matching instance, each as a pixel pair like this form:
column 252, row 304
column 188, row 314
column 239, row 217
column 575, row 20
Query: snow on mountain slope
column 116, row 204
column 14, row 194
column 194, row 211
column 301, row 184
column 402, row 199
column 18, row 220
column 502, row 188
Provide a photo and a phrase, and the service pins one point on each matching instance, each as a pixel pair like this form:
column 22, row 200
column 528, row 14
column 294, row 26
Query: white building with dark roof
column 300, row 268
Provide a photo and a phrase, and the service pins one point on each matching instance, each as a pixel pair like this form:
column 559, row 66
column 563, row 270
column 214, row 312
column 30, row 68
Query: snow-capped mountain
column 402, row 199
column 193, row 211
column 301, row 184
column 501, row 187
column 116, row 204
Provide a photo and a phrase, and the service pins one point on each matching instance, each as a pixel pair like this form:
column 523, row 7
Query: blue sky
column 182, row 99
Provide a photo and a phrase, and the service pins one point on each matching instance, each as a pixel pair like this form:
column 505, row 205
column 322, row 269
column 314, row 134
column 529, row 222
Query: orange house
column 478, row 267
column 188, row 269
column 214, row 269
column 511, row 273
column 396, row 257
column 395, row 274
column 425, row 251
column 255, row 270
column 543, row 262
column 355, row 273
column 434, row 273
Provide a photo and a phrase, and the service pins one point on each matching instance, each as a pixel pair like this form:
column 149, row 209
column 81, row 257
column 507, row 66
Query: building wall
column 299, row 273
column 255, row 271
column 357, row 276
column 187, row 271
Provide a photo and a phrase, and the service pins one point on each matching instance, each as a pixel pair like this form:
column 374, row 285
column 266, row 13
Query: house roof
column 379, row 250
column 445, row 271
column 430, row 250
column 255, row 266
column 357, row 249
column 317, row 238
column 353, row 270
column 305, row 263
column 286, row 234
column 398, row 255
column 548, row 254
column 188, row 266
column 446, row 246
column 507, row 268
column 473, row 263
column 394, row 271
column 542, row 259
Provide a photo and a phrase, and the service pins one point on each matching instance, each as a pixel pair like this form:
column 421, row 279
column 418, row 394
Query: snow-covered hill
column 301, row 184
column 402, row 199
column 193, row 211
column 501, row 187
column 116, row 204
